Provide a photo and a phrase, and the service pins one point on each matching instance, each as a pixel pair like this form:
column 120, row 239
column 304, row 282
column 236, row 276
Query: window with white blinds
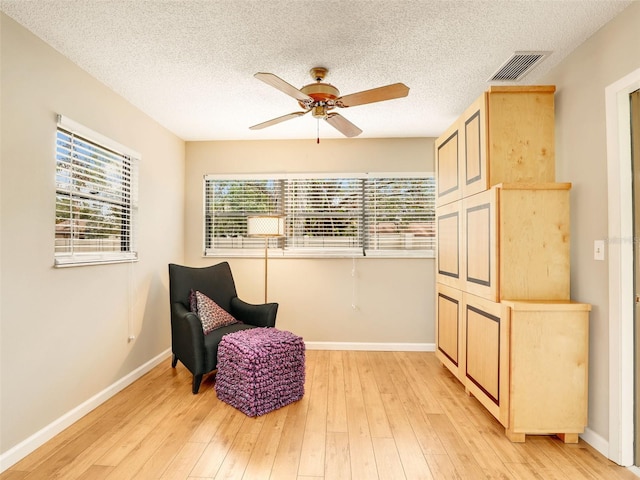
column 400, row 214
column 325, row 215
column 96, row 197
column 228, row 203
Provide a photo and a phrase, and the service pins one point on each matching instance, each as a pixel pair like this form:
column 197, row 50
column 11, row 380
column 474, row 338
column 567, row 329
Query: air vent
column 518, row 66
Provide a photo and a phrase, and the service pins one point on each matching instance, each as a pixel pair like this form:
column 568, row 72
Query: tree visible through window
column 95, row 201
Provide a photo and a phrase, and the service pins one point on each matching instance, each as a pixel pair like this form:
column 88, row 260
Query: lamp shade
column 265, row 226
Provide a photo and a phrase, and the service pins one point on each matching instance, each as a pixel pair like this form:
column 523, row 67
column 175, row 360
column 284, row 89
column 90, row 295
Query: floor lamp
column 265, row 226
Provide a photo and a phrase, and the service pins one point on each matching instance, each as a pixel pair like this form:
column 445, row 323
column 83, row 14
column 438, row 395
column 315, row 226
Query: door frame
column 621, row 288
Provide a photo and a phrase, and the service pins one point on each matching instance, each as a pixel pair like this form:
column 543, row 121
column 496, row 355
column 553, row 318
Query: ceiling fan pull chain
column 318, row 130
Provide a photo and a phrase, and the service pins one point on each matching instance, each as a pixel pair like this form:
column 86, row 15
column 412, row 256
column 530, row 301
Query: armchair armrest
column 263, row 315
column 187, row 338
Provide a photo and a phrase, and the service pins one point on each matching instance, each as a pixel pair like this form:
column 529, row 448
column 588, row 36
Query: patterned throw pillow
column 211, row 314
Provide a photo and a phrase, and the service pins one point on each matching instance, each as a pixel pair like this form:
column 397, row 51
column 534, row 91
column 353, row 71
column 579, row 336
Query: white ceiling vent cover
column 518, row 66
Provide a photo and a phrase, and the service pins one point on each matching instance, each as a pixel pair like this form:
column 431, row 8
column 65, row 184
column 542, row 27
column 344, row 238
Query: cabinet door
column 534, row 239
column 549, row 368
column 449, row 264
column 521, row 134
column 479, row 227
column 487, row 355
column 474, row 150
column 448, row 173
column 449, row 329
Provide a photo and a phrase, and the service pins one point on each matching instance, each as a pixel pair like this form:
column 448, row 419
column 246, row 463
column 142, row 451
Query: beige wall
column 64, row 332
column 581, row 159
column 393, row 298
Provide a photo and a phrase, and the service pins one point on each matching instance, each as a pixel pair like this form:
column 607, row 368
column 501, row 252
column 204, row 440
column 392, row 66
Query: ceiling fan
column 321, row 98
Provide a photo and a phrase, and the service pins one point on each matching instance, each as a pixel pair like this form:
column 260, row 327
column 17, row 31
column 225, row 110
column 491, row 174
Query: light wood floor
column 365, row 415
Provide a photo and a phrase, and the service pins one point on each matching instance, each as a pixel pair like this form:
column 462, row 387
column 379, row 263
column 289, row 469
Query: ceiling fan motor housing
column 323, row 94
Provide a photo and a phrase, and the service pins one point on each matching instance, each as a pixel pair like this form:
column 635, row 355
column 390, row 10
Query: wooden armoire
column 505, row 324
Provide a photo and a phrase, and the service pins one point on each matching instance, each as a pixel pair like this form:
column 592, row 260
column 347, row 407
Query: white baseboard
column 24, row 448
column 376, row 347
column 601, row 444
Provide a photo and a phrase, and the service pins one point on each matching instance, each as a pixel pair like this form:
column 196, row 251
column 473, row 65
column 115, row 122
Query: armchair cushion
column 211, row 314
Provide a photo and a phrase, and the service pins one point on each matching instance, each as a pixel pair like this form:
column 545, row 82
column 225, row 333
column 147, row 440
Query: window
column 326, row 215
column 400, row 214
column 228, row 203
column 96, row 197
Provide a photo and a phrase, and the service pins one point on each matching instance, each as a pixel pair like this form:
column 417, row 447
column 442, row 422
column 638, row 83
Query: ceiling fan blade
column 388, row 92
column 277, row 82
column 273, row 121
column 343, row 125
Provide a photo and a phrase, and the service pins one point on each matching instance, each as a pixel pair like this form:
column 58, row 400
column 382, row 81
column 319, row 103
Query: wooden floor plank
column 388, row 461
column 461, row 457
column 376, row 414
column 418, row 373
column 338, row 464
column 336, row 401
column 167, row 453
column 216, row 450
column 315, row 431
column 425, row 433
column 235, row 462
column 362, row 457
column 96, row 472
column 441, row 467
column 287, row 458
column 183, row 462
column 266, row 445
column 413, row 460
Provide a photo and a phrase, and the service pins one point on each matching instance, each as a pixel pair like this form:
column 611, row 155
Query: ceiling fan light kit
column 320, row 98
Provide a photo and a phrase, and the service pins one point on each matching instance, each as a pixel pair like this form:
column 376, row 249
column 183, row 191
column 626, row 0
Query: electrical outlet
column 598, row 250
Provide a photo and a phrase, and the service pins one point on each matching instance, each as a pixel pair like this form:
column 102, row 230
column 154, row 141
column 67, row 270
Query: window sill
column 89, row 260
column 320, row 255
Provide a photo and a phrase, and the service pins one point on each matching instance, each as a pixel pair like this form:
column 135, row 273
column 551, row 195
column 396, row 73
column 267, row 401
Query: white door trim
column 621, row 377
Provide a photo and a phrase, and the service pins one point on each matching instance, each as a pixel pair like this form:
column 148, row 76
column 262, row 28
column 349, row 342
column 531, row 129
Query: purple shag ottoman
column 260, row 370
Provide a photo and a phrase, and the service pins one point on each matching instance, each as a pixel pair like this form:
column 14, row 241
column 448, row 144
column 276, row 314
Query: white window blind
column 96, row 198
column 325, row 215
column 399, row 214
column 228, row 203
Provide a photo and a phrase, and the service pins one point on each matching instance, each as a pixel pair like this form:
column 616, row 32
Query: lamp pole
column 266, row 252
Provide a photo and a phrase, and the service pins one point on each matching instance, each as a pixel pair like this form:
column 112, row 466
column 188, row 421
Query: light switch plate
column 598, row 249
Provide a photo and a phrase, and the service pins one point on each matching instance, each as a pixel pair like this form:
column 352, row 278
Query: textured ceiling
column 189, row 64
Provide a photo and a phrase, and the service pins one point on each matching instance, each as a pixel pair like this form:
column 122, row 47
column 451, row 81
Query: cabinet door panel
column 549, row 367
column 486, row 354
column 479, row 227
column 448, row 167
column 483, row 351
column 534, row 238
column 521, row 135
column 449, row 329
column 475, row 163
column 449, row 247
